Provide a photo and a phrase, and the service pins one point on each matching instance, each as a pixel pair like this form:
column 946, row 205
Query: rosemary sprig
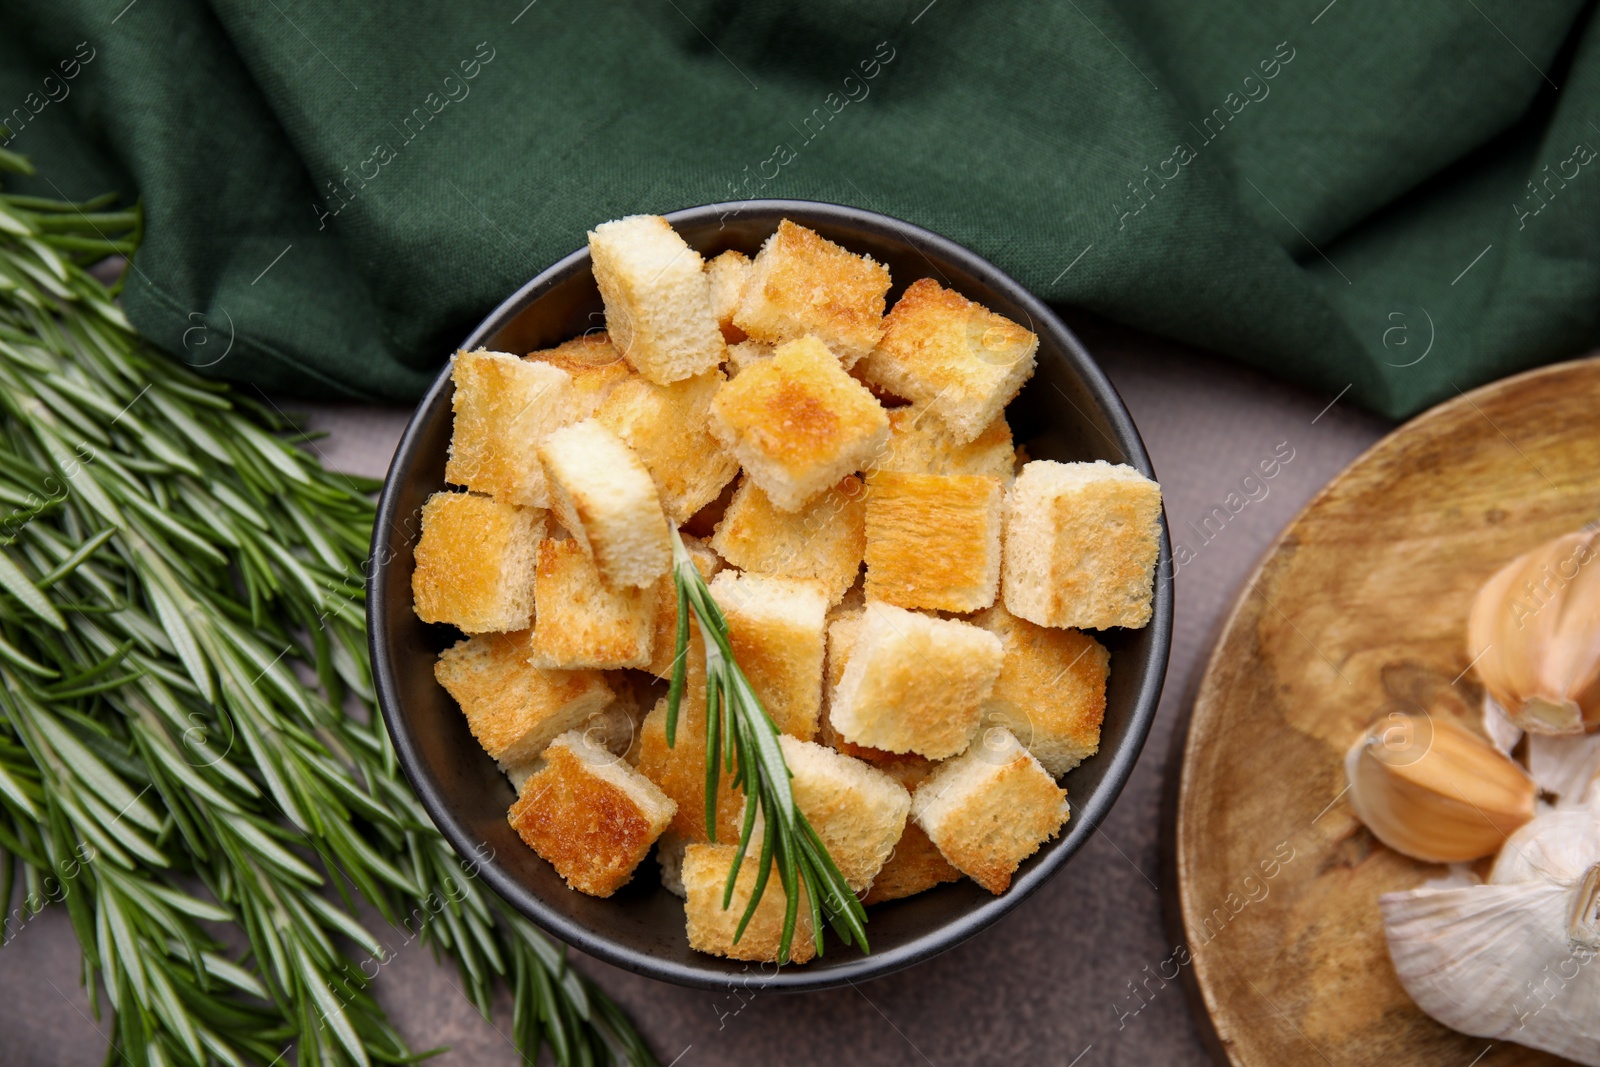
column 186, row 733
column 742, row 739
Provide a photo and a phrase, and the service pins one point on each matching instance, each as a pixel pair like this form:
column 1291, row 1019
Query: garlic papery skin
column 1534, row 636
column 1435, row 791
column 1558, row 846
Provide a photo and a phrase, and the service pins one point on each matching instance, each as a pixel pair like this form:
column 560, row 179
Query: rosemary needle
column 741, row 737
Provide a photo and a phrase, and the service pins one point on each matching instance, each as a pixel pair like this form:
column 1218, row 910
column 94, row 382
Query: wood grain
column 1358, row 609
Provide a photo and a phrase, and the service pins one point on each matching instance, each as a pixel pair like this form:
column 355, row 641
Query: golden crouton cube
column 824, row 541
column 665, row 643
column 711, row 926
column 959, row 358
column 604, row 496
column 919, row 444
column 594, row 365
column 990, row 808
column 504, row 406
column 747, row 353
column 857, row 810
column 679, row 769
column 658, row 301
column 665, row 425
column 933, row 540
column 776, row 630
column 1051, row 693
column 801, row 283
column 515, row 710
column 844, row 625
column 475, row 563
column 581, row 621
column 589, row 815
column 727, row 275
column 798, row 423
column 915, row 683
column 1082, row 541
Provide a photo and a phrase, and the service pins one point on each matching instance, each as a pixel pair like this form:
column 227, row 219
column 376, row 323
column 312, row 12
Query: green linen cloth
column 1391, row 201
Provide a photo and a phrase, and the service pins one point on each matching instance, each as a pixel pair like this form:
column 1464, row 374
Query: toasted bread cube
column 1082, row 541
column 475, row 563
column 844, row 626
column 665, row 425
column 679, row 769
column 776, row 627
column 669, row 854
column 915, row 683
column 658, row 301
column 747, row 353
column 582, row 622
column 798, row 423
column 919, row 444
column 1051, row 693
column 604, row 496
column 590, row 815
column 933, row 540
column 990, row 808
column 824, row 541
column 959, row 358
column 504, row 406
column 515, row 710
column 665, row 643
column 594, row 365
column 727, row 275
column 916, row 864
column 712, row 927
column 802, row 283
column 858, row 811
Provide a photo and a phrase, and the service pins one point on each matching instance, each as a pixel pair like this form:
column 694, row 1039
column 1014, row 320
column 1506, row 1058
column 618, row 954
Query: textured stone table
column 1045, row 984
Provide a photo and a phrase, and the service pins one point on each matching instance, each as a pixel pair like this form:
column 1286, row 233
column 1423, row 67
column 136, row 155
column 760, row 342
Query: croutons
column 798, row 423
column 726, row 275
column 475, row 563
column 801, row 283
column 503, row 407
column 824, row 540
column 747, row 353
column 959, row 358
column 669, row 854
column 844, row 626
column 594, row 366
column 665, row 425
column 1051, row 693
column 915, row 683
column 512, row 708
column 776, row 629
column 990, row 808
column 591, row 816
column 665, row 642
column 604, row 496
column 916, row 864
column 933, row 540
column 1081, row 544
column 680, row 769
column 711, row 926
column 919, row 444
column 582, row 622
column 658, row 301
column 858, row 812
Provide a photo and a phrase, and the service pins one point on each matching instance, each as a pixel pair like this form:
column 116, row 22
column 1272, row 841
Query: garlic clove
column 1564, row 766
column 1557, row 846
column 1435, row 791
column 1534, row 636
column 1499, row 961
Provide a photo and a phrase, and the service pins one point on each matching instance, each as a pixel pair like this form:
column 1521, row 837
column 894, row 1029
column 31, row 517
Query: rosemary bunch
column 742, row 739
column 186, row 734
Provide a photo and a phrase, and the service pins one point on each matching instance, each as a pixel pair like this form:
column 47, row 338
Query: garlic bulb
column 1534, row 635
column 1435, row 791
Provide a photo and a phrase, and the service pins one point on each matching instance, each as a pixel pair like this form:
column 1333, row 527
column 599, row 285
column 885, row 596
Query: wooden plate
column 1359, row 608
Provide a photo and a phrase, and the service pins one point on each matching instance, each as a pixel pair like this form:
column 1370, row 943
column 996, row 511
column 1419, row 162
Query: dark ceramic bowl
column 1067, row 411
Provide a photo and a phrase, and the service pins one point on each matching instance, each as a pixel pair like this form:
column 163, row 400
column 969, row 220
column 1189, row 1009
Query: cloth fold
column 1390, row 203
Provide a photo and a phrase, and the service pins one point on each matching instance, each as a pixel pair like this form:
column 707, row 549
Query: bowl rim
column 879, row 963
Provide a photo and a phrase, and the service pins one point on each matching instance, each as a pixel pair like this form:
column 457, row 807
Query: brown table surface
column 1041, row 985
